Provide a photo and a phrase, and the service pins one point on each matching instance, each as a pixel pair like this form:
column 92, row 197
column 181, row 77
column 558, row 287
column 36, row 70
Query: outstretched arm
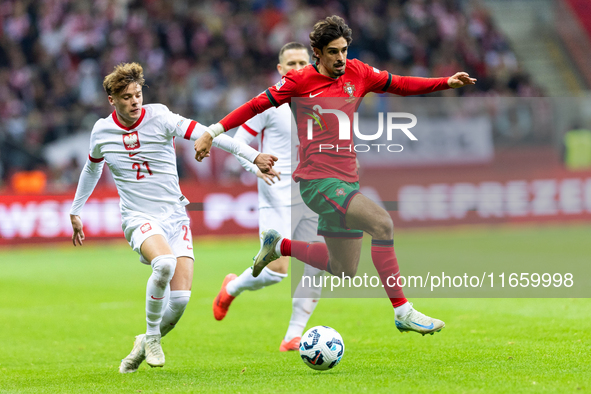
column 234, row 119
column 459, row 80
column 89, row 177
column 407, row 86
column 382, row 81
column 263, row 161
column 245, row 134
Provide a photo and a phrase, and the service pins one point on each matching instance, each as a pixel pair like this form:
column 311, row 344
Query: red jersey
column 358, row 80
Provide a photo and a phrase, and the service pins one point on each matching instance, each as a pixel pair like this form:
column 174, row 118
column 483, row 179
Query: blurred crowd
column 205, row 58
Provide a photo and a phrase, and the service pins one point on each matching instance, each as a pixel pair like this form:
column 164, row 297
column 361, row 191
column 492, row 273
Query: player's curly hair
column 122, row 76
column 329, row 29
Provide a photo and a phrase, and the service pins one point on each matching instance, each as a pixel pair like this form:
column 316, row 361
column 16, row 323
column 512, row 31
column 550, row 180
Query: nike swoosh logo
column 133, row 154
column 430, row 326
column 161, row 298
column 314, row 95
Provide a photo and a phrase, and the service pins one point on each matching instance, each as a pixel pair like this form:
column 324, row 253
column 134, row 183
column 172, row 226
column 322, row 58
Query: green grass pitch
column 68, row 315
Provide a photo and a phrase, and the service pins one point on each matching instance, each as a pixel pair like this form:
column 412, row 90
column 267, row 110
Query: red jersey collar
column 133, row 126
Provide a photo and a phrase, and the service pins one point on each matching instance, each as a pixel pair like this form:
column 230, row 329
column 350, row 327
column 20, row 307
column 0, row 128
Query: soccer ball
column 322, row 348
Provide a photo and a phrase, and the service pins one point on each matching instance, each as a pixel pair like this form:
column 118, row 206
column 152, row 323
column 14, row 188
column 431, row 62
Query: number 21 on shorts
column 187, row 237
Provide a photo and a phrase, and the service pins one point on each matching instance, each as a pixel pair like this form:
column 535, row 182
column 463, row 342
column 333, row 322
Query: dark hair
column 329, row 29
column 123, row 75
column 291, row 45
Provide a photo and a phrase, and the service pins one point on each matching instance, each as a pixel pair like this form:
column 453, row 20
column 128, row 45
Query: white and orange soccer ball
column 322, row 348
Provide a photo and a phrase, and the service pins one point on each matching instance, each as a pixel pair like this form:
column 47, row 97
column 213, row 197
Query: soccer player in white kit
column 280, row 207
column 137, row 142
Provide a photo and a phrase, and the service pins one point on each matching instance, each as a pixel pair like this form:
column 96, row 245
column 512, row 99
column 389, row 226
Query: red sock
column 384, row 259
column 285, row 247
column 312, row 253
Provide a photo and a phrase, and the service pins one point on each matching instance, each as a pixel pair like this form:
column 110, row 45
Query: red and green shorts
column 330, row 199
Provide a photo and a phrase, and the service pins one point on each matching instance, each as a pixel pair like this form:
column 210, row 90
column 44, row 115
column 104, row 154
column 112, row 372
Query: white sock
column 162, row 272
column 278, row 246
column 403, row 309
column 248, row 282
column 174, row 310
column 303, row 304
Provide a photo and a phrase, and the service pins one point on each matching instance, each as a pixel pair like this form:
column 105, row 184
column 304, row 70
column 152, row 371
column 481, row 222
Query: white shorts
column 297, row 222
column 175, row 229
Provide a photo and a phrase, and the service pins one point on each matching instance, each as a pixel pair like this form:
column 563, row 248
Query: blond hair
column 123, row 75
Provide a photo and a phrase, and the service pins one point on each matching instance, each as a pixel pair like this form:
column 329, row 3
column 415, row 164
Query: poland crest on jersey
column 131, row 141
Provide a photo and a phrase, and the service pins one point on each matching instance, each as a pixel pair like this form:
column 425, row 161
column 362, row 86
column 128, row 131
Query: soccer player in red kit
column 328, row 178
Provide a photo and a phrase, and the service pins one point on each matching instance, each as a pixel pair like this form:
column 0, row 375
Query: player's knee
column 350, row 272
column 337, row 270
column 164, row 267
column 383, row 228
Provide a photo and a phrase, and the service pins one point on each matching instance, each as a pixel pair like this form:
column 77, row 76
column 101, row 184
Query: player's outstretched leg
column 303, row 304
column 366, row 215
column 267, row 252
column 223, row 300
column 418, row 322
column 132, row 362
column 314, row 254
column 233, row 286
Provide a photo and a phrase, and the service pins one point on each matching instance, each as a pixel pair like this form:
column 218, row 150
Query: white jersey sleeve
column 89, row 177
column 94, row 154
column 246, row 133
column 188, row 129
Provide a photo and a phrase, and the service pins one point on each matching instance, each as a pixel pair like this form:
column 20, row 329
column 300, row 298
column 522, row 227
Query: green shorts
column 330, row 198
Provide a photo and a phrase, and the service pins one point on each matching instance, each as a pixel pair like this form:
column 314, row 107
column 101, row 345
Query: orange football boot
column 223, row 300
column 294, row 344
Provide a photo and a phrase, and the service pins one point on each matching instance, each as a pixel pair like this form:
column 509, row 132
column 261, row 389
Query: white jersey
column 273, row 130
column 143, row 162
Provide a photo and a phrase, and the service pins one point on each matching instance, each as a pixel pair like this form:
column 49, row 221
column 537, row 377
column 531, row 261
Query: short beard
column 338, row 73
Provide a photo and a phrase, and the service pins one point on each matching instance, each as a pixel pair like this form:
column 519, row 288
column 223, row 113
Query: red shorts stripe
column 338, row 209
column 250, row 130
column 190, row 130
column 95, row 160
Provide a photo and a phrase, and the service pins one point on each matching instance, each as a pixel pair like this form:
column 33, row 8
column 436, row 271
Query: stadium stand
column 204, row 59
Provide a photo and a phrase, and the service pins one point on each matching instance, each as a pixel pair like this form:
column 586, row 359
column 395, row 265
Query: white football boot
column 132, row 362
column 153, row 349
column 267, row 252
column 418, row 322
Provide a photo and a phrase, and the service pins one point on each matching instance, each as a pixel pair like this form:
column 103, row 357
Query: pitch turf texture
column 68, row 316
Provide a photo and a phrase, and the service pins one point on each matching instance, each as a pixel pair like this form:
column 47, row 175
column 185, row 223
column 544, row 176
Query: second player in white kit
column 280, row 206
